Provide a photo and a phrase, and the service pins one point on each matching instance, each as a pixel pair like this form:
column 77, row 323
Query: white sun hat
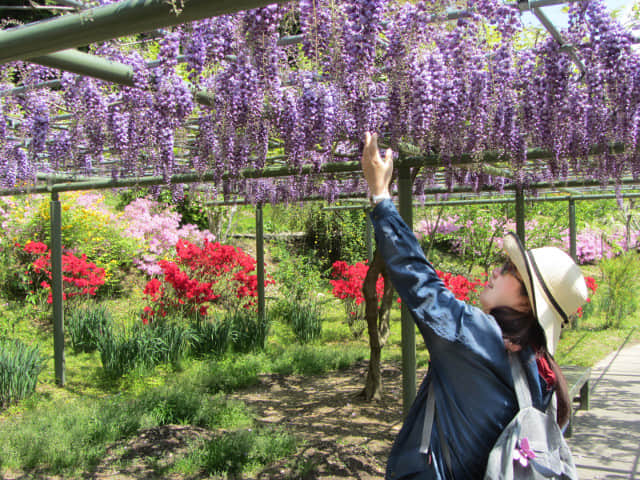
column 554, row 283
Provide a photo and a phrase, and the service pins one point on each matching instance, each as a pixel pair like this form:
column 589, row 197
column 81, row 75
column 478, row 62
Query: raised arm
column 434, row 308
column 377, row 170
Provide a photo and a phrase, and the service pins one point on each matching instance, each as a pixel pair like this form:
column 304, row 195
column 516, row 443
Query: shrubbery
column 304, row 318
column 80, row 278
column 20, row 366
column 144, row 346
column 158, row 229
column 475, row 233
column 335, row 235
column 87, row 326
column 201, row 277
column 88, row 226
column 618, row 295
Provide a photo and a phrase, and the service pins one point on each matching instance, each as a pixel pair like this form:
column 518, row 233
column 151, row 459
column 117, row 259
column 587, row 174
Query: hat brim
column 548, row 319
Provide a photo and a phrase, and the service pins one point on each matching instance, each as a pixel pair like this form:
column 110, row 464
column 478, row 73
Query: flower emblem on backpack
column 523, row 452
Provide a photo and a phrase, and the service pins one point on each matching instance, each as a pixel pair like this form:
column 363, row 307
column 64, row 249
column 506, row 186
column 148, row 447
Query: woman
column 523, row 307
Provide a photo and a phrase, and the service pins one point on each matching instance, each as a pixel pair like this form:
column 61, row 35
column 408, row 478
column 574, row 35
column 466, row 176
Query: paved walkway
column 606, row 438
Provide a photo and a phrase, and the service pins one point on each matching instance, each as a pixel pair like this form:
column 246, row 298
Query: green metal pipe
column 100, row 68
column 558, row 37
column 260, row 261
column 563, row 198
column 22, row 90
column 56, row 289
column 520, row 231
column 89, row 65
column 572, row 229
column 346, row 207
column 107, row 22
column 282, row 171
column 408, row 329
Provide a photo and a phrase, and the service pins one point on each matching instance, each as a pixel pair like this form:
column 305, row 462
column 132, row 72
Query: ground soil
column 342, row 436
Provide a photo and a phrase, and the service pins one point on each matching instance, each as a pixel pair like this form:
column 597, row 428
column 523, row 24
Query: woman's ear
column 512, row 347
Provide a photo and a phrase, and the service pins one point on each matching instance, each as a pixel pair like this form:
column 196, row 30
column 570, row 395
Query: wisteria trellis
column 463, row 87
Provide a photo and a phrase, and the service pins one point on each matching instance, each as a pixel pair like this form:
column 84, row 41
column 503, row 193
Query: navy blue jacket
column 474, row 393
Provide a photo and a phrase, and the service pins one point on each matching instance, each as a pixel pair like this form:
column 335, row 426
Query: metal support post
column 260, row 261
column 408, row 327
column 56, row 288
column 572, row 229
column 520, row 214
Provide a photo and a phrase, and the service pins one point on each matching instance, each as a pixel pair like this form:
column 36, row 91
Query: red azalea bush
column 79, row 276
column 347, row 286
column 463, row 288
column 592, row 286
column 201, row 277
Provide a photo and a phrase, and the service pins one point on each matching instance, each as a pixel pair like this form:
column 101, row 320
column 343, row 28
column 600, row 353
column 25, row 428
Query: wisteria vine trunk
column 377, row 324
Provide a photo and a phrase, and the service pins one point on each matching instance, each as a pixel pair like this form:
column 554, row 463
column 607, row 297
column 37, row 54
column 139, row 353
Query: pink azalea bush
column 158, row 230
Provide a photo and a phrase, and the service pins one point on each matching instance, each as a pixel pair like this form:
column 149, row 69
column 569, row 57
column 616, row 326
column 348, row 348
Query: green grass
column 238, row 452
column 66, row 431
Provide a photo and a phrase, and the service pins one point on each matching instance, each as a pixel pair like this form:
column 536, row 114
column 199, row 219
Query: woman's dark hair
column 522, row 328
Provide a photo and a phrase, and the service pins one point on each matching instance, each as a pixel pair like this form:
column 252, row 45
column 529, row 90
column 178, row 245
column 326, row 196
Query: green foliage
column 169, row 405
column 232, row 373
column 176, row 341
column 128, row 195
column 87, row 325
column 243, row 450
column 248, row 331
column 64, row 436
column 144, row 346
column 20, row 366
column 212, row 336
column 336, row 235
column 475, row 241
column 297, row 277
column 617, row 296
column 315, row 360
column 88, row 227
column 585, row 346
column 219, row 411
column 121, row 352
column 304, row 319
column 14, row 276
column 192, row 211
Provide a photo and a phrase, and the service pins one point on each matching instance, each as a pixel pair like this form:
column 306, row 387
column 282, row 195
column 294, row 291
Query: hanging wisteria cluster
column 439, row 88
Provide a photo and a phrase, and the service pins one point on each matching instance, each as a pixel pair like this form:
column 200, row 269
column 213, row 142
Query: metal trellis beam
column 107, row 22
column 525, row 5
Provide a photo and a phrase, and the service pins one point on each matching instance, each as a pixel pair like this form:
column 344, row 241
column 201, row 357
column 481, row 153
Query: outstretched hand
column 377, row 170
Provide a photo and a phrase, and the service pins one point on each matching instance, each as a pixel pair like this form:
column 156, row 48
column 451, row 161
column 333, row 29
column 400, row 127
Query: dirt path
column 343, row 437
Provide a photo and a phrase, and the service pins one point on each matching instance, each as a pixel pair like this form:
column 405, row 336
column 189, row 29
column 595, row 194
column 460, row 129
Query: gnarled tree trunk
column 377, row 324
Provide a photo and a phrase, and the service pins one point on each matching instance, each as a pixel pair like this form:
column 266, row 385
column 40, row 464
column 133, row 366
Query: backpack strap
column 429, row 416
column 429, row 413
column 520, row 382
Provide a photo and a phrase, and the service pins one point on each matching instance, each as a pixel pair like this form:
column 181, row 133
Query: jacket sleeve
column 434, row 308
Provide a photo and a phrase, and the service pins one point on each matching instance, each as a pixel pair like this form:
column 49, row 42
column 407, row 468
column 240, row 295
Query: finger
column 367, row 138
column 388, row 155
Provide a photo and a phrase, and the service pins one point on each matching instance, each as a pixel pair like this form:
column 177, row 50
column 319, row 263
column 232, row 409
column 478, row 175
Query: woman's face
column 504, row 289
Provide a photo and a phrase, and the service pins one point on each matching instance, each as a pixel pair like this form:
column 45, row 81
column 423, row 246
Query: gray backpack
column 531, row 446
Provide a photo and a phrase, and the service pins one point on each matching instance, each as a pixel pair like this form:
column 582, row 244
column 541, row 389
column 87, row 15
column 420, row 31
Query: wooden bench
column 578, row 382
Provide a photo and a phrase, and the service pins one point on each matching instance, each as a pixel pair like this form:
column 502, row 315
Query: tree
column 377, row 317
